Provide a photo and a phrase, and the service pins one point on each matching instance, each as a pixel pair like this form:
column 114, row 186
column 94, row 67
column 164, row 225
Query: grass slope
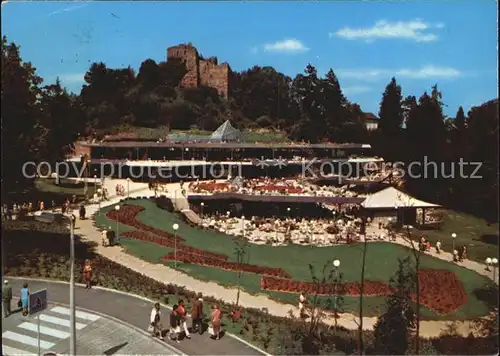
column 382, row 259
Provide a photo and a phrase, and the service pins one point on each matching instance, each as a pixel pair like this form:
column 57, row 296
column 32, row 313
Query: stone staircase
column 181, row 204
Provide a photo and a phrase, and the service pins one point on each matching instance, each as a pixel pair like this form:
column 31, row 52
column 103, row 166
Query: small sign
column 37, row 302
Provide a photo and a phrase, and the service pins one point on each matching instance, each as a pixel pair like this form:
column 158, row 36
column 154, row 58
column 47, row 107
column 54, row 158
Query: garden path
column 164, row 274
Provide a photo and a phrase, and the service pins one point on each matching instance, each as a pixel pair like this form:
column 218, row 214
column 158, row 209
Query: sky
column 421, row 43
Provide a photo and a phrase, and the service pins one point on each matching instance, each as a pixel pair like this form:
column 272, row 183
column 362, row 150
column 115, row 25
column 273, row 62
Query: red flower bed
column 212, row 186
column 441, row 290
column 279, row 188
column 230, row 266
column 170, row 242
column 372, row 288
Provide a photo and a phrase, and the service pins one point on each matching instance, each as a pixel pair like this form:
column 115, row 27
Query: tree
column 22, row 133
column 391, row 110
column 62, row 118
column 240, row 251
column 392, row 330
column 392, row 116
column 328, row 277
column 460, row 119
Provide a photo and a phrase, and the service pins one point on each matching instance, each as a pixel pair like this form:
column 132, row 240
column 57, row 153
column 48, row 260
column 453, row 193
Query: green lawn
column 481, row 240
column 382, row 259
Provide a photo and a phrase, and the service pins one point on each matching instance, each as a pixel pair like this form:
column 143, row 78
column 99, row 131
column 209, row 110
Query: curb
column 134, row 296
column 112, row 318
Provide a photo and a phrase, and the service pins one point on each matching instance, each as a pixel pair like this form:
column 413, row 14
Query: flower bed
column 210, row 187
column 279, row 188
column 371, row 288
column 230, row 266
column 170, row 242
column 440, row 290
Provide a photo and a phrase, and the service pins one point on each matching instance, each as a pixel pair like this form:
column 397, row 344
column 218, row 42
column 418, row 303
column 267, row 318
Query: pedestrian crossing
column 54, row 327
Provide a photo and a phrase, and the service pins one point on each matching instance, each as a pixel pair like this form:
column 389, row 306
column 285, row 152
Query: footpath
column 164, row 274
column 134, row 311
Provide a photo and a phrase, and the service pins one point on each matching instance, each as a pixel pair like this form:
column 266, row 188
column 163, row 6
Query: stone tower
column 201, row 71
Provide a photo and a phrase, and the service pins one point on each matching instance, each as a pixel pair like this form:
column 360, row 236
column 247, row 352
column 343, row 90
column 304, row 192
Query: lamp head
column 117, row 207
column 494, row 261
column 202, row 204
column 454, row 235
column 488, row 261
column 336, row 263
column 175, row 227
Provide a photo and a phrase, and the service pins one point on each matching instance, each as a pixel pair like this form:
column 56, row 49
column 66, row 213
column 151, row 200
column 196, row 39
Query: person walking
column 197, row 314
column 6, row 298
column 82, row 212
column 155, row 326
column 302, row 305
column 25, row 296
column 87, row 274
column 175, row 330
column 181, row 310
column 438, row 247
column 216, row 321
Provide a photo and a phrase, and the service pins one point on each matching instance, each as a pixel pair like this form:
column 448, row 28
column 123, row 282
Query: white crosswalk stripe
column 28, row 340
column 79, row 314
column 59, row 321
column 11, row 351
column 54, row 327
column 45, row 330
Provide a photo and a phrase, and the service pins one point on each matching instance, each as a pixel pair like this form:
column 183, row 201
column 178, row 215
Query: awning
column 390, row 198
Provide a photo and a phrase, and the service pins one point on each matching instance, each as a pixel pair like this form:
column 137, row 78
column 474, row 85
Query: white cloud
column 286, row 46
column 424, row 72
column 353, row 90
column 72, row 78
column 415, row 30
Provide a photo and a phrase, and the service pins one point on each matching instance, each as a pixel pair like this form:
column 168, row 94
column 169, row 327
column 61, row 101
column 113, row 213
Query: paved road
column 96, row 335
column 136, row 312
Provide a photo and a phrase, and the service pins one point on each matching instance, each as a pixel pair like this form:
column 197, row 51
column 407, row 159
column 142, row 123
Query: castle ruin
column 200, row 71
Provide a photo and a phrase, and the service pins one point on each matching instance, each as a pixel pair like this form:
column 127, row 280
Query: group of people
column 178, row 320
column 120, row 190
column 23, row 302
column 460, row 254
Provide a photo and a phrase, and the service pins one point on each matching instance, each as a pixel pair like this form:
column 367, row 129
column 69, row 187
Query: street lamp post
column 128, row 187
column 488, row 263
column 453, row 237
column 175, row 227
column 99, row 192
column 243, row 226
column 494, row 262
column 202, row 204
column 336, row 264
column 72, row 314
column 95, row 183
column 288, row 211
column 117, row 208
